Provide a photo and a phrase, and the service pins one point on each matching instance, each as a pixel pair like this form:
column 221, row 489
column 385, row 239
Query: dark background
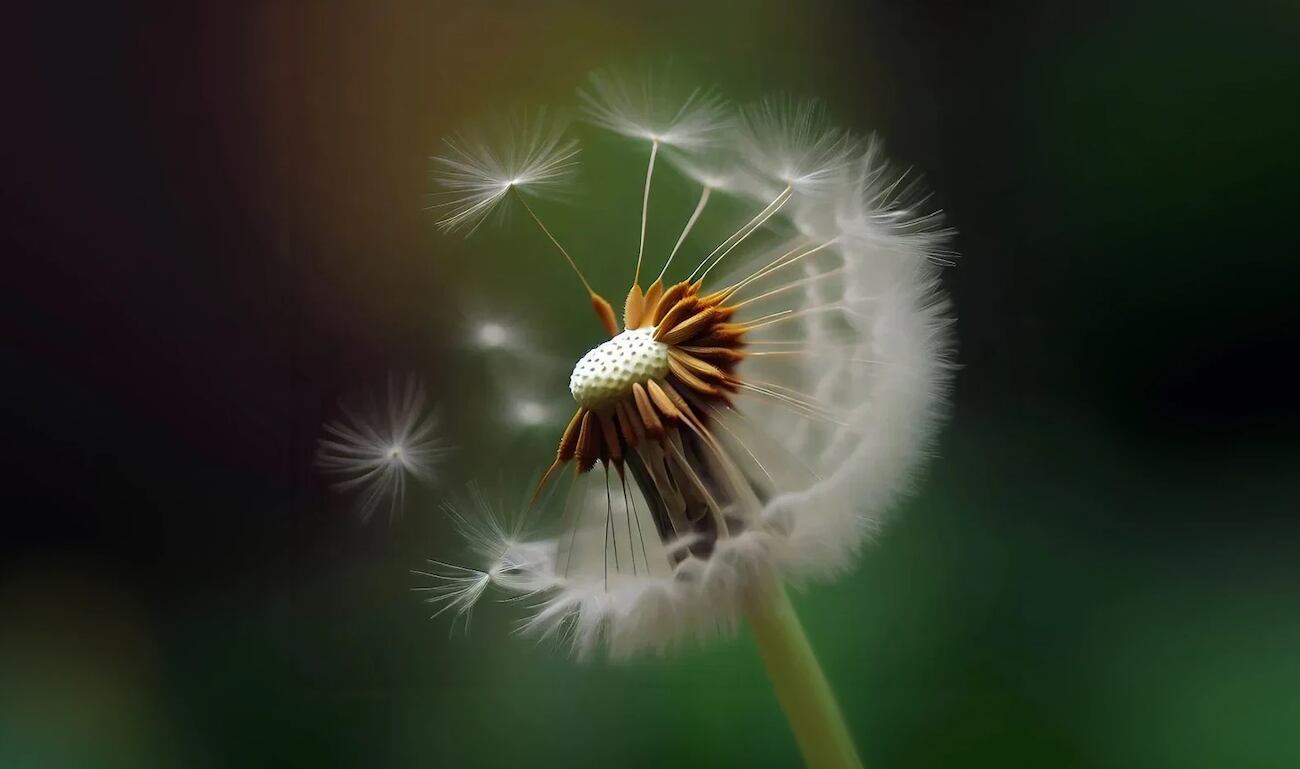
column 214, row 230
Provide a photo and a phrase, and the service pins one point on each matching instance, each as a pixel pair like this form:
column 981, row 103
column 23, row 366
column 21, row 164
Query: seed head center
column 608, row 372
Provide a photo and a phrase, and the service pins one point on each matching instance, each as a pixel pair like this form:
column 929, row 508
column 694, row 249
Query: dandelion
column 757, row 412
column 375, row 451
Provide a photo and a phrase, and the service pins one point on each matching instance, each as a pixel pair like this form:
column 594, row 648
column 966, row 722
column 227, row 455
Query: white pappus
column 807, row 359
column 375, row 450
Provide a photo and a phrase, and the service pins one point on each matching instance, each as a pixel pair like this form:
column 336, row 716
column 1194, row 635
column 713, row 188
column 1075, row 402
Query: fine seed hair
column 376, row 449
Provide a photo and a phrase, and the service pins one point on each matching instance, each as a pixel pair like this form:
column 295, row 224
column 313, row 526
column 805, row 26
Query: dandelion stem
column 801, row 687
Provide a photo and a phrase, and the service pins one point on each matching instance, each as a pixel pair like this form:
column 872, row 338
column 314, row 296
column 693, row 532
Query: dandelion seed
column 506, row 349
column 893, row 207
column 790, row 142
column 506, row 339
column 530, row 413
column 520, row 407
column 533, row 157
column 650, row 111
column 498, row 541
column 375, row 451
column 714, row 168
column 491, row 335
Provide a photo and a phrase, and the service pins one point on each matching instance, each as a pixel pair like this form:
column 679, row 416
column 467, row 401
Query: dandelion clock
column 749, row 416
column 373, row 452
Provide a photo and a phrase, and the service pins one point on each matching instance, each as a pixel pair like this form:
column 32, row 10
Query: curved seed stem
column 645, row 209
column 544, row 229
column 690, row 223
column 801, row 686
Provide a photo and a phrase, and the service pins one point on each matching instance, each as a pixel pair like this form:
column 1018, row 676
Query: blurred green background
column 214, row 230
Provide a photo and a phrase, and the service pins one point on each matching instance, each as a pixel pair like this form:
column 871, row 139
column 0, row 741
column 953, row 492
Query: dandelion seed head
column 789, row 393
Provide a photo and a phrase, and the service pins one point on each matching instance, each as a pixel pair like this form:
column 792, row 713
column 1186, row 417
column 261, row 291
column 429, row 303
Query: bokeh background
column 215, row 230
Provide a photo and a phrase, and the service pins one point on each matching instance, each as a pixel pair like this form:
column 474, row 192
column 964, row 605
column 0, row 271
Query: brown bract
column 704, row 350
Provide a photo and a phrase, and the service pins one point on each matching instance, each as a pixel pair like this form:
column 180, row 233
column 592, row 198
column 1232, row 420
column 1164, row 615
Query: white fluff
column 374, row 451
column 533, row 157
column 791, row 143
column 717, row 170
column 644, row 110
column 837, row 438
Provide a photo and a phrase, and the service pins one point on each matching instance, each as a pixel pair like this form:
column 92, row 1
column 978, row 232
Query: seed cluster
column 648, row 387
column 608, row 372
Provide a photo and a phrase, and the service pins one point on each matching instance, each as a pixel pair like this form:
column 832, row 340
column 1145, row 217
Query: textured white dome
column 608, row 372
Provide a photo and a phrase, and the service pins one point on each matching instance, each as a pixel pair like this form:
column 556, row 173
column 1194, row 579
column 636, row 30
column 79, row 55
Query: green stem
column 801, row 686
